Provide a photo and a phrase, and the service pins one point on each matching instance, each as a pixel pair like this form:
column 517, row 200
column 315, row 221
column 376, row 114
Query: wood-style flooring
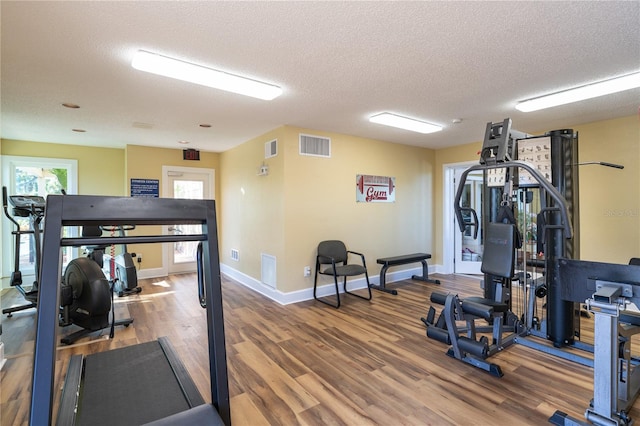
column 367, row 363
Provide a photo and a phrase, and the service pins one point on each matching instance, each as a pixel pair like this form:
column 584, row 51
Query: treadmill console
column 24, row 205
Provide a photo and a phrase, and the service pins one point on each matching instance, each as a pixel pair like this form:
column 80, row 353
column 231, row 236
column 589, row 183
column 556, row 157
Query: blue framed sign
column 145, row 188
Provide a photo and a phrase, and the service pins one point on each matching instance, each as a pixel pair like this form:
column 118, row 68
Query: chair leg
column 357, row 295
column 315, row 286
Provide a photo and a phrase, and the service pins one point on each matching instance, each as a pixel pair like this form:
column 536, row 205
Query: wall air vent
column 268, row 270
column 317, row 146
column 271, row 148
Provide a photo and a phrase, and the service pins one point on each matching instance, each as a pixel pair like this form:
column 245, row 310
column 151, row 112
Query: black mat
column 129, row 386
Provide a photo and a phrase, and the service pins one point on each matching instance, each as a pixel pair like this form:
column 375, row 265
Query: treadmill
column 139, row 384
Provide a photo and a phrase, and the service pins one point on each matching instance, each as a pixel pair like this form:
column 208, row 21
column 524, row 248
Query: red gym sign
column 375, row 189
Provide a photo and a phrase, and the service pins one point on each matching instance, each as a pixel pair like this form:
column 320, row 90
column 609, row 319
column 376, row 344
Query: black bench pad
column 386, row 262
column 403, row 260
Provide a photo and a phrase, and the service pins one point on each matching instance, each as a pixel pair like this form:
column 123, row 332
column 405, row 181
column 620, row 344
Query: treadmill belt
column 129, row 386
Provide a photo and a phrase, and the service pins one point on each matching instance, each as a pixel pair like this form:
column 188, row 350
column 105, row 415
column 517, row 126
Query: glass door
column 468, row 244
column 191, row 185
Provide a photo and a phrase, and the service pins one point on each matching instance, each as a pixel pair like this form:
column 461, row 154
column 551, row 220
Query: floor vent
column 317, row 146
column 271, row 148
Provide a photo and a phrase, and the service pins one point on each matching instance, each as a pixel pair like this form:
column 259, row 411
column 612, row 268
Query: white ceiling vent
column 271, row 148
column 317, row 146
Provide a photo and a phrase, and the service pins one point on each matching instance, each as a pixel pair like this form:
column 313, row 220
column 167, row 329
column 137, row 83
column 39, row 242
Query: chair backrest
column 499, row 249
column 634, row 261
column 332, row 249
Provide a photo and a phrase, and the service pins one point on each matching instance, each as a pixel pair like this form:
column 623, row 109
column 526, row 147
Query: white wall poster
column 375, row 189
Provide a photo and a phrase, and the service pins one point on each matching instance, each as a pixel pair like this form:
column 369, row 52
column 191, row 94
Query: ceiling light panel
column 581, row 93
column 406, row 123
column 186, row 71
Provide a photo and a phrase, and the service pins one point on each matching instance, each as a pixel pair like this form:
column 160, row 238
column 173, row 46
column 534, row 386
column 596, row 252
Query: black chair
column 335, row 254
column 634, row 261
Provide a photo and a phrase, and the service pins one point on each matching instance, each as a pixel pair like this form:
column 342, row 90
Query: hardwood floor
column 367, row 363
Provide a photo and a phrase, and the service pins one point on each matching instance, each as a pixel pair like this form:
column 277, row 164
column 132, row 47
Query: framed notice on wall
column 145, row 188
column 375, row 189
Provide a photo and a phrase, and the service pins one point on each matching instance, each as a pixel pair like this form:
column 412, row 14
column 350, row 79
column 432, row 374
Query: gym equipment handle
column 560, row 202
column 602, row 163
column 201, row 296
column 140, row 239
column 5, row 206
column 475, row 223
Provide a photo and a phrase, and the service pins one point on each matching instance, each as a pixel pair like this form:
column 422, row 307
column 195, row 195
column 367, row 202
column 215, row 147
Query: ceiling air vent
column 140, row 125
column 315, row 145
column 271, row 148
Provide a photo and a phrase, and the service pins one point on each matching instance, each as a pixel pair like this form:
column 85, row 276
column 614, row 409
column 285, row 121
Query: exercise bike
column 86, row 296
column 120, row 268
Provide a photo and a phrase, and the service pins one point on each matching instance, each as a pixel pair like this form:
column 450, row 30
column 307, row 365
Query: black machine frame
column 75, row 210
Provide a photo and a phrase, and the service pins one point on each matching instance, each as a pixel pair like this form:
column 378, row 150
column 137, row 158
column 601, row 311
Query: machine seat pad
column 497, row 306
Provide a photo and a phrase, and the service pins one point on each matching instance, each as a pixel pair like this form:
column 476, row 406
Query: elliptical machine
column 86, row 296
column 31, row 206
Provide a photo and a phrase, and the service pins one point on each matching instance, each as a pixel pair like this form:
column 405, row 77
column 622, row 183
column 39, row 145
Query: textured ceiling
column 337, row 62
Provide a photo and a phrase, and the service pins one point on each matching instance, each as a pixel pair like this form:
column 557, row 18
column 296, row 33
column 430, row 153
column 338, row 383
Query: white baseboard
column 142, row 274
column 307, row 293
column 151, row 273
column 2, row 358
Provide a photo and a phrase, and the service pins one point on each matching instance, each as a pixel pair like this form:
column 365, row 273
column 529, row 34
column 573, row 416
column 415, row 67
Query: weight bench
column 386, row 262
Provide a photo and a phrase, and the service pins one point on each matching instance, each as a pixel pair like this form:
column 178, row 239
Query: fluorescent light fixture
column 394, row 120
column 630, row 81
column 174, row 68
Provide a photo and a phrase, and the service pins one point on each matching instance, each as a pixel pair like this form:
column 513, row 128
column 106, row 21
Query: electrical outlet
column 139, row 257
column 307, row 271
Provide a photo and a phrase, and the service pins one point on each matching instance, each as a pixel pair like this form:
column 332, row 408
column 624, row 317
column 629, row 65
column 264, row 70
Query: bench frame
column 386, row 262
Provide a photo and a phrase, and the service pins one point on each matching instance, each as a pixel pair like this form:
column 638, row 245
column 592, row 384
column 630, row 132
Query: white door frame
column 166, row 193
column 448, row 214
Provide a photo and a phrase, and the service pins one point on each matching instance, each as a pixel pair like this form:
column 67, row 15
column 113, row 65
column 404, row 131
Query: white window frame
column 9, row 165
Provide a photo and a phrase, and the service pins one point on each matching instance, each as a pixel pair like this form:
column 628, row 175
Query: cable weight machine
column 509, row 193
column 605, row 289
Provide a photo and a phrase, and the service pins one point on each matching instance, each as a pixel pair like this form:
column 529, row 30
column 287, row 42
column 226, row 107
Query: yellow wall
column 146, row 163
column 100, row 170
column 107, row 171
column 609, row 201
column 609, row 198
column 254, row 205
column 305, row 200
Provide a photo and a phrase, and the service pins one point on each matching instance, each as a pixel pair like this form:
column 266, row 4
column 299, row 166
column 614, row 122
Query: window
column 33, row 176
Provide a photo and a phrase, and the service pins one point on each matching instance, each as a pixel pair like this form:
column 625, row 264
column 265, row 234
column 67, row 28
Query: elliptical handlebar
column 5, row 207
column 560, row 202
